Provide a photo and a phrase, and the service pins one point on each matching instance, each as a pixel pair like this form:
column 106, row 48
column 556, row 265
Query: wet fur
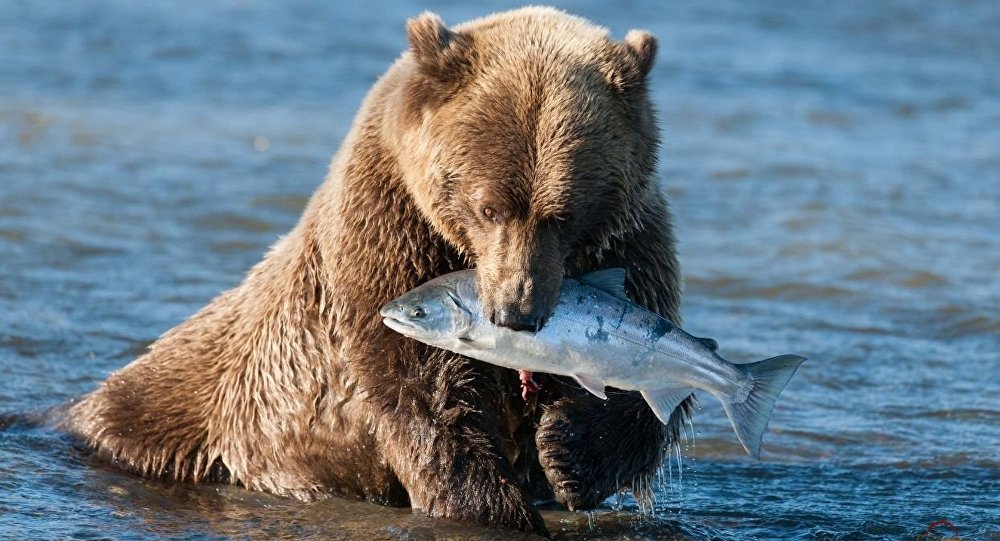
column 290, row 384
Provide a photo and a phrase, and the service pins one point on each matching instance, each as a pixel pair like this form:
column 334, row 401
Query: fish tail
column 750, row 415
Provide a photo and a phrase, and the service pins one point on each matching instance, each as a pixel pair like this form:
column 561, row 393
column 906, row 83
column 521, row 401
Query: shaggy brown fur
column 522, row 143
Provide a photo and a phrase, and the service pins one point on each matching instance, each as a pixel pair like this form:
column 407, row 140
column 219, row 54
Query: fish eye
column 417, row 312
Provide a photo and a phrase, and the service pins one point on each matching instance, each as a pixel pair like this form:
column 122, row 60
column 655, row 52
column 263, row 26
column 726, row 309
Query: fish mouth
column 389, row 313
column 401, row 326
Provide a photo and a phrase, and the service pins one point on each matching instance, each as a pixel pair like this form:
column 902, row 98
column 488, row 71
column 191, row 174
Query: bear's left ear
column 638, row 54
column 441, row 53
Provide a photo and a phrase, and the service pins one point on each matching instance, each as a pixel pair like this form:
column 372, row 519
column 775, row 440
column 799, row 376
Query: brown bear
column 523, row 144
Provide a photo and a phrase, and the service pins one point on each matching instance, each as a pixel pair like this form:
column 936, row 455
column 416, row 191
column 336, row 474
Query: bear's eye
column 491, row 214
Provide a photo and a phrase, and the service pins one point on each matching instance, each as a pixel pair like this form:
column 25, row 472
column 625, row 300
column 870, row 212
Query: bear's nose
column 514, row 319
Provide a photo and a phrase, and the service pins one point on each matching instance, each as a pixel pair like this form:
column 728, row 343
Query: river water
column 834, row 171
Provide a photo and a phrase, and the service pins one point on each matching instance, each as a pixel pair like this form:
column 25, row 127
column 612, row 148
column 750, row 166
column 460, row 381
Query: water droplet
column 261, row 143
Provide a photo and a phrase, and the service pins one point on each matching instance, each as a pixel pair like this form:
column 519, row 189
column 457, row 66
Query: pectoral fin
column 478, row 343
column 596, row 388
column 664, row 401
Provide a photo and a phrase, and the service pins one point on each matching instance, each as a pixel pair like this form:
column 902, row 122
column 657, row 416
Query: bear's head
column 527, row 142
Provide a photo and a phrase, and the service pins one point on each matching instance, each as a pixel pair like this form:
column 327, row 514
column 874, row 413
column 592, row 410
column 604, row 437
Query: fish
column 600, row 338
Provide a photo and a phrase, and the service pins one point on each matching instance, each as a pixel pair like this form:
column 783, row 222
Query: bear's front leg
column 441, row 438
column 590, row 448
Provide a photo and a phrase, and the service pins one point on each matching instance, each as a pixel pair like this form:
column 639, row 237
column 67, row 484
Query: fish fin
column 664, row 401
column 750, row 416
column 490, row 343
column 708, row 342
column 607, row 280
column 596, row 388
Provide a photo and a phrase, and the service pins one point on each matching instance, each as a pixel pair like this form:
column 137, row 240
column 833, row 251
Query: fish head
column 437, row 312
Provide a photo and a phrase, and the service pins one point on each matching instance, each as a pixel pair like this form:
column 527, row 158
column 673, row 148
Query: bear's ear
column 441, row 53
column 642, row 48
column 638, row 56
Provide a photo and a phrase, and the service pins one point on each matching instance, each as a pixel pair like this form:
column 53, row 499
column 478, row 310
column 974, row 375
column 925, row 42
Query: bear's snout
column 521, row 304
column 513, row 318
column 519, row 277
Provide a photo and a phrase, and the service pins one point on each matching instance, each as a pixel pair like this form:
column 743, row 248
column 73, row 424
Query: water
column 834, row 170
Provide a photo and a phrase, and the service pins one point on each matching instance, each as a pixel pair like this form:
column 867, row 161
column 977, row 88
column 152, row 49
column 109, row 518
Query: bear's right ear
column 441, row 53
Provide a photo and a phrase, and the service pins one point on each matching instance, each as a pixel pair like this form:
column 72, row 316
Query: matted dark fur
column 522, row 143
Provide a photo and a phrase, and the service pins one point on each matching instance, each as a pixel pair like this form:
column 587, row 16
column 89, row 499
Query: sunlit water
column 834, row 170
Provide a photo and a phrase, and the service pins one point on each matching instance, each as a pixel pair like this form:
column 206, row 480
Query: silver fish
column 599, row 338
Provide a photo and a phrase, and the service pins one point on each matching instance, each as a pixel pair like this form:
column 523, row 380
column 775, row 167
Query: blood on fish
column 528, row 384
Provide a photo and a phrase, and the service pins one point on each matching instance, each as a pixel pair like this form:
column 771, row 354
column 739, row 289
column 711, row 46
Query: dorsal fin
column 610, row 281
